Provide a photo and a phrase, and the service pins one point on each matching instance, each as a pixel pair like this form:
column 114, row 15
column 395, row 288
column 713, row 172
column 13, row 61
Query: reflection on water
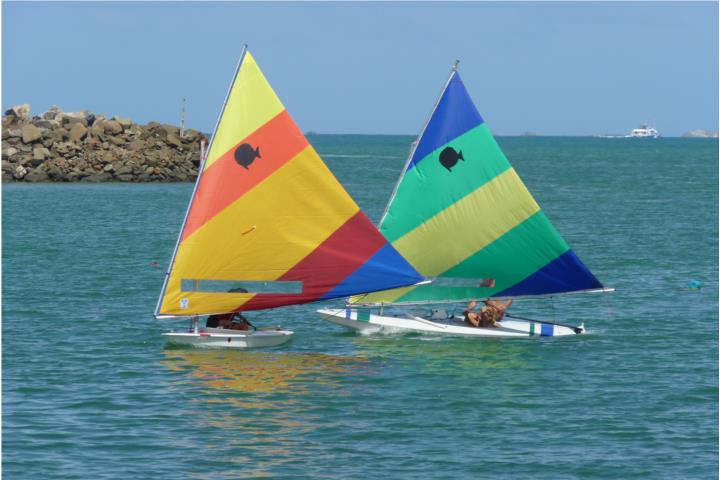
column 259, row 400
column 261, row 372
column 469, row 358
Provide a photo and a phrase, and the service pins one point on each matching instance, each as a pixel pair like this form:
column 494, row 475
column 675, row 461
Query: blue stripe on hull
column 546, row 330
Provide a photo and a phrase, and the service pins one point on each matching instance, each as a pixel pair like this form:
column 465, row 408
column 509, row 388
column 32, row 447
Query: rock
column 124, row 170
column 192, row 135
column 14, row 133
column 40, row 153
column 78, row 132
column 117, row 141
column 9, row 152
column 20, row 112
column 112, row 127
column 171, row 129
column 108, row 157
column 37, row 175
column 174, row 141
column 8, row 167
column 126, row 177
column 52, row 113
column 31, row 133
column 125, row 123
column 98, row 177
column 46, row 124
column 19, row 172
column 109, row 168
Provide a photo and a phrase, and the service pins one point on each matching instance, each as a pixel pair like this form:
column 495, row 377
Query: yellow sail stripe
column 451, row 236
column 261, row 235
column 251, row 103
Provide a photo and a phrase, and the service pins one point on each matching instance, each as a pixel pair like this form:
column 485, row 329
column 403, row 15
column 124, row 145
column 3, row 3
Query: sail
column 269, row 221
column 461, row 214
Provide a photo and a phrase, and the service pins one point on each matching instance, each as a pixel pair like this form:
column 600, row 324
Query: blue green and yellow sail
column 461, row 215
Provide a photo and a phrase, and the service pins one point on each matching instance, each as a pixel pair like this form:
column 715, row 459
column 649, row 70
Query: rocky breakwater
column 62, row 146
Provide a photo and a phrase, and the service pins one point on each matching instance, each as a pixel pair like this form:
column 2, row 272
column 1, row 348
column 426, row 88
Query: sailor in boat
column 489, row 315
column 230, row 321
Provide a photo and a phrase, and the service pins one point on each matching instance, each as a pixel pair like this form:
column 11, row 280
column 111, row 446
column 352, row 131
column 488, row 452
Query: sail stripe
column 226, row 180
column 327, row 266
column 434, row 188
column 373, row 279
column 441, row 242
column 267, row 231
column 509, row 260
column 549, row 279
column 455, row 114
column 251, row 103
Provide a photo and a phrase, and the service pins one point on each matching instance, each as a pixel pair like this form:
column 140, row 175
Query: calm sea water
column 89, row 391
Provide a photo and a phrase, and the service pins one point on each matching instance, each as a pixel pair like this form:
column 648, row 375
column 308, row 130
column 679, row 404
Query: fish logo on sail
column 449, row 157
column 245, row 155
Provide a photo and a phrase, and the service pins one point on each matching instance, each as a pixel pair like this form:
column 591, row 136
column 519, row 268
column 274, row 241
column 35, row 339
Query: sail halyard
column 480, row 222
column 201, row 168
column 268, row 215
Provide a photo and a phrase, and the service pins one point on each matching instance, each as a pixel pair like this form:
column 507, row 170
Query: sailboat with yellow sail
column 462, row 216
column 268, row 225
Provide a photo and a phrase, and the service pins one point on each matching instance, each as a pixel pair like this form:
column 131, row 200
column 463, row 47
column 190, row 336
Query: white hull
column 223, row 338
column 508, row 328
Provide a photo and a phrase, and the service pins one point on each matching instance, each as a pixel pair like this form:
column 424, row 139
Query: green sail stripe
column 510, row 259
column 430, row 188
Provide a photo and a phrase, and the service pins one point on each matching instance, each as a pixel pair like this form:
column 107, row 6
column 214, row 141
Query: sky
column 555, row 68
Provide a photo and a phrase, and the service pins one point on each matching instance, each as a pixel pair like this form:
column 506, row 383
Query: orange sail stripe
column 226, row 179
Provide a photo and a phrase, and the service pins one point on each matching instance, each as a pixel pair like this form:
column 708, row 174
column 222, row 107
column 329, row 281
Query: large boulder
column 174, row 141
column 78, row 132
column 40, row 153
column 31, row 133
column 112, row 127
column 37, row 175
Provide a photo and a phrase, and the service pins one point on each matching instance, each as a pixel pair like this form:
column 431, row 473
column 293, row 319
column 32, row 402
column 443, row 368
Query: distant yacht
column 643, row 132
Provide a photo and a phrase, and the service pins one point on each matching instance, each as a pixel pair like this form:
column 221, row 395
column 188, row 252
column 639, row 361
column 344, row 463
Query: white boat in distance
column 643, row 131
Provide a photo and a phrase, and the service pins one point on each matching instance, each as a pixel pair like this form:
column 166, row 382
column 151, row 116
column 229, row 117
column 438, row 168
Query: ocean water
column 90, row 391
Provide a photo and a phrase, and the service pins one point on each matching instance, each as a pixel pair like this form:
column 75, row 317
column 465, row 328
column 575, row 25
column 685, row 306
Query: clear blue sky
column 555, row 68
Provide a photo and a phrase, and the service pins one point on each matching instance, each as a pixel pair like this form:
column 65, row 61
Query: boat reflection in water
column 255, row 372
column 256, row 408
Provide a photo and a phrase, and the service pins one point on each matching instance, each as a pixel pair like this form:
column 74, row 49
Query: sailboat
column 461, row 215
column 268, row 225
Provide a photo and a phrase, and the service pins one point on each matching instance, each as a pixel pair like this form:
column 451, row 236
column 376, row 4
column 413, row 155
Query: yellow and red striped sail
column 267, row 209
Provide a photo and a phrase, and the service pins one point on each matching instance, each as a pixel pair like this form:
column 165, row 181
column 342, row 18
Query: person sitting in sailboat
column 489, row 315
column 231, row 321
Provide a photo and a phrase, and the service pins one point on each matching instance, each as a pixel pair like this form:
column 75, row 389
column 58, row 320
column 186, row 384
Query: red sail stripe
column 223, row 182
column 341, row 254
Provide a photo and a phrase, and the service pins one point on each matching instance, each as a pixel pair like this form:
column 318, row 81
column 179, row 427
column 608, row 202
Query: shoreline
column 68, row 147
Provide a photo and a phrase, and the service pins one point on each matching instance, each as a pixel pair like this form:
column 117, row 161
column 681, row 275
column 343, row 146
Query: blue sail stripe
column 454, row 115
column 564, row 274
column 385, row 270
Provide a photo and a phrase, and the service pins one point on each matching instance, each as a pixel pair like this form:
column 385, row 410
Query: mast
column 414, row 145
column 197, row 182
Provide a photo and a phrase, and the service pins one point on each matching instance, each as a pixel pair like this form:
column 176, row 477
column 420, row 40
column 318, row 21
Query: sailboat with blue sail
column 462, row 217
